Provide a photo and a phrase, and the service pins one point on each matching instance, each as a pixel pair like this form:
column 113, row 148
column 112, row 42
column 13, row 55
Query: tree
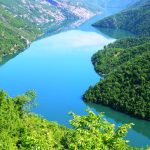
column 93, row 132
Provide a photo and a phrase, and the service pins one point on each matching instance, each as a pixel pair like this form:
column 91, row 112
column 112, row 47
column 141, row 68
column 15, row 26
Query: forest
column 119, row 52
column 126, row 83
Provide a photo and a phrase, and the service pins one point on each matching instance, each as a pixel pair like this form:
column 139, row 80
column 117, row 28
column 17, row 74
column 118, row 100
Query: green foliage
column 134, row 19
column 126, row 86
column 119, row 52
column 92, row 132
column 22, row 130
column 15, row 33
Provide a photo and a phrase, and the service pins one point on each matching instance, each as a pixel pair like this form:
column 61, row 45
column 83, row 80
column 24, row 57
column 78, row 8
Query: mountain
column 140, row 3
column 119, row 4
column 124, row 64
column 134, row 19
column 104, row 6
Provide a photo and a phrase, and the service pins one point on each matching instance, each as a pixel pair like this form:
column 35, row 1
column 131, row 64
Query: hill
column 126, row 83
column 48, row 14
column 125, row 64
column 134, row 19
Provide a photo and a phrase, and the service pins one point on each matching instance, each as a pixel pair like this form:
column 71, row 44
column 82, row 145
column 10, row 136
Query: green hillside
column 20, row 20
column 36, row 12
column 119, row 52
column 135, row 19
column 15, row 33
column 126, row 86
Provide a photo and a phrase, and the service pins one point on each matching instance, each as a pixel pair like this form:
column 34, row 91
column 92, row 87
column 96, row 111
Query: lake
column 59, row 69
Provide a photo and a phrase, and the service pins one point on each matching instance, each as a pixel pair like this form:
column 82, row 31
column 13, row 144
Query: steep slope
column 126, row 86
column 54, row 13
column 15, row 33
column 48, row 13
column 22, row 21
column 118, row 5
column 117, row 53
column 135, row 19
column 103, row 6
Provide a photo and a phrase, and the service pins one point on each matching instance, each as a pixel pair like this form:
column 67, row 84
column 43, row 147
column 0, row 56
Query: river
column 59, row 69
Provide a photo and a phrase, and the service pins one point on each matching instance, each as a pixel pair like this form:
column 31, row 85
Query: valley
column 68, row 64
column 46, row 49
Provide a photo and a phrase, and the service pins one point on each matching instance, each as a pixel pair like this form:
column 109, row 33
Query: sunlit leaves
column 93, row 132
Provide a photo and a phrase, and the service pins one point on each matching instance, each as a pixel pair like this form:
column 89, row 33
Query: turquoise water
column 59, row 69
